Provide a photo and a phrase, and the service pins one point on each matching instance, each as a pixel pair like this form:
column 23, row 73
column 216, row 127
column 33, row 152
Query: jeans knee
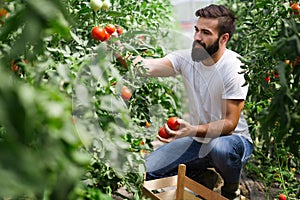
column 226, row 152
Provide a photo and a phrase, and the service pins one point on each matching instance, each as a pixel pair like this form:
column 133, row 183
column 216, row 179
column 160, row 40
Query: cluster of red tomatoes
column 104, row 33
column 173, row 124
column 100, row 33
column 295, row 7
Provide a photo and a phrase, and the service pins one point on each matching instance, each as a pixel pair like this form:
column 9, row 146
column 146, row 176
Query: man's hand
column 185, row 129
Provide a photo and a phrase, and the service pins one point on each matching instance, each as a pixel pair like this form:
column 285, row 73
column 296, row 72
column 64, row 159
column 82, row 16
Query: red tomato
column 119, row 30
column 162, row 133
column 173, row 123
column 126, row 93
column 14, row 67
column 110, row 28
column 107, row 36
column 282, row 197
column 3, row 12
column 276, row 75
column 98, row 33
column 147, row 124
column 296, row 61
column 287, row 62
column 295, row 6
column 267, row 79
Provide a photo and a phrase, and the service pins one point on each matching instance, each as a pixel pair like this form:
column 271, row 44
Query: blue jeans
column 227, row 154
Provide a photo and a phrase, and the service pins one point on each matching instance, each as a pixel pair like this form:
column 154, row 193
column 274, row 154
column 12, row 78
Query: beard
column 201, row 53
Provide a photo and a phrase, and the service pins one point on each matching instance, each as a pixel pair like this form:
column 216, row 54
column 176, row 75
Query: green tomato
column 96, row 4
column 106, row 4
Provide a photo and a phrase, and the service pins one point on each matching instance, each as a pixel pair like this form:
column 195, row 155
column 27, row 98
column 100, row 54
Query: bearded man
column 216, row 134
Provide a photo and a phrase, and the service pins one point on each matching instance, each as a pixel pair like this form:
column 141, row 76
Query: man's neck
column 214, row 58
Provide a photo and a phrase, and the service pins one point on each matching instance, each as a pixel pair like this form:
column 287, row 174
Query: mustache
column 198, row 42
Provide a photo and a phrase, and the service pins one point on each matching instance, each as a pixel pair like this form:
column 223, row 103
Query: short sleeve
column 236, row 88
column 179, row 59
column 234, row 82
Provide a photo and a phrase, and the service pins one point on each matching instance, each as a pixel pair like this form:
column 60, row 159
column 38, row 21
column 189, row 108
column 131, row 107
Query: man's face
column 206, row 39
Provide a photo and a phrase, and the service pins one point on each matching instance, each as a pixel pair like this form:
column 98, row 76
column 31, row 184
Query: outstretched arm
column 158, row 67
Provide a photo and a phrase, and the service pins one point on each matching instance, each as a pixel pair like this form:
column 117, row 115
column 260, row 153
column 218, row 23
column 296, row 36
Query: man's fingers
column 169, row 131
column 182, row 122
column 164, row 139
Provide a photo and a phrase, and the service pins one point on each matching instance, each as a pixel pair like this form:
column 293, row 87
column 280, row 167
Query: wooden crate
column 179, row 187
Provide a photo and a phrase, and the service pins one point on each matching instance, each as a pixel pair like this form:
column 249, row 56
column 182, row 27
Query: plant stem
column 94, row 18
column 280, row 169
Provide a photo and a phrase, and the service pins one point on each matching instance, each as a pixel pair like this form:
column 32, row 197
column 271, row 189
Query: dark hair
column 226, row 19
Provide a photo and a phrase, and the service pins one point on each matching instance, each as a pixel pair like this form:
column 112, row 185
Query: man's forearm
column 215, row 129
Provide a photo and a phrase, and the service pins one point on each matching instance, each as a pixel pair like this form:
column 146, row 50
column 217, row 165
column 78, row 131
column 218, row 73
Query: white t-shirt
column 208, row 86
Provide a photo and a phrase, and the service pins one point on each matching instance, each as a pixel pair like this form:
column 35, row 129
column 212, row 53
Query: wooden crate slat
column 167, row 195
column 202, row 190
column 189, row 196
column 161, row 183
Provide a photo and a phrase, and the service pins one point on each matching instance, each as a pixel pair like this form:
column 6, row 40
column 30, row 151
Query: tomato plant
column 62, row 55
column 59, row 44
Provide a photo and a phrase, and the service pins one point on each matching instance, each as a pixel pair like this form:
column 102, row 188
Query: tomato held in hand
column 162, row 133
column 126, row 93
column 173, row 123
column 110, row 29
column 282, row 197
column 99, row 33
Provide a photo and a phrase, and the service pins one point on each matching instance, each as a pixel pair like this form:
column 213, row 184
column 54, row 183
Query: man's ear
column 224, row 38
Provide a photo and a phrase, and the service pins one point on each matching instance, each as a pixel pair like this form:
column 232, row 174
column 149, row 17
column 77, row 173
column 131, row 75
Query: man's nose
column 198, row 36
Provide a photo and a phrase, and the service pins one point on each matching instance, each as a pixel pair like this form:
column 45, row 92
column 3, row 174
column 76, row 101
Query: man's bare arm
column 225, row 126
column 158, row 67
